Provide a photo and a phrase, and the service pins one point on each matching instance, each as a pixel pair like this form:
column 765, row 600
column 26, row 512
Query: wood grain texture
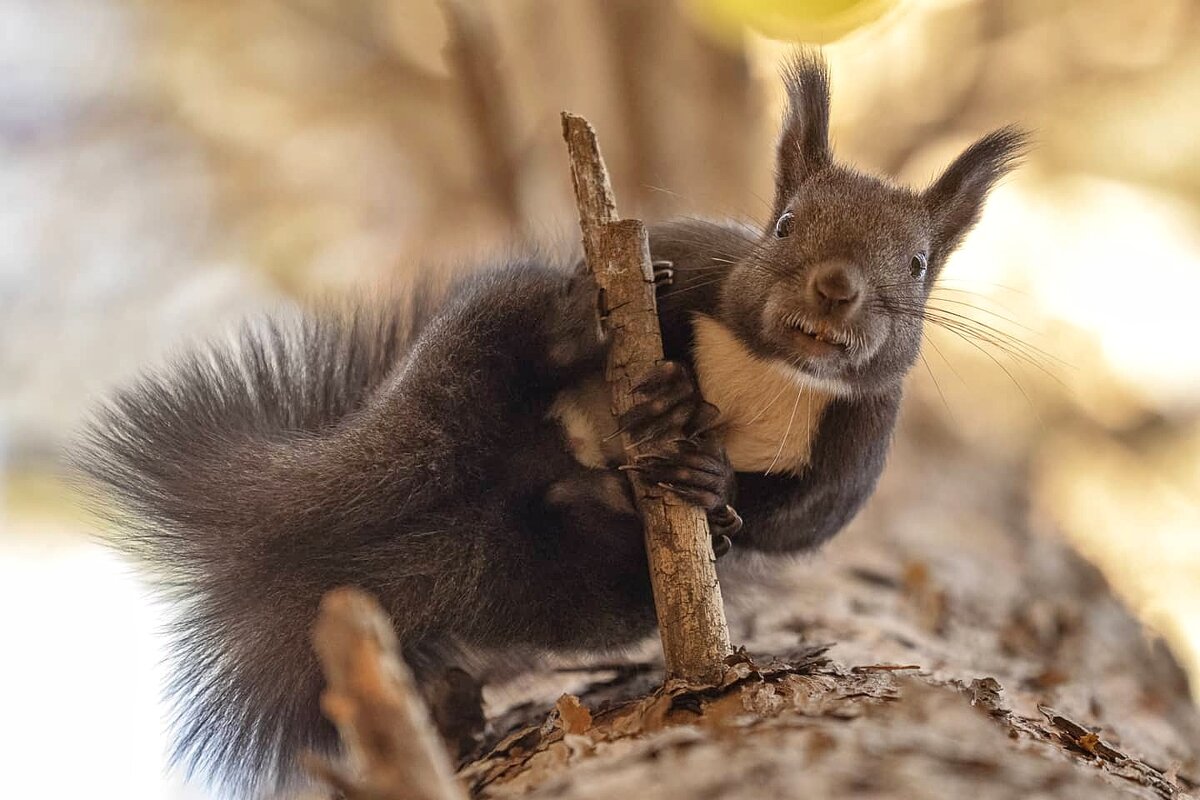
column 687, row 596
column 393, row 750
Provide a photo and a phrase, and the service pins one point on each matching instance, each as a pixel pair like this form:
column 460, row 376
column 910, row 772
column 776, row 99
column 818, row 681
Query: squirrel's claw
column 664, row 273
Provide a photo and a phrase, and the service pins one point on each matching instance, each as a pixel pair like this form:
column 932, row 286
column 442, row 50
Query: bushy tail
column 203, row 472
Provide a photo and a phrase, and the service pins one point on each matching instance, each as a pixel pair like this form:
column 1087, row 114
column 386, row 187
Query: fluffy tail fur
column 407, row 457
column 207, row 467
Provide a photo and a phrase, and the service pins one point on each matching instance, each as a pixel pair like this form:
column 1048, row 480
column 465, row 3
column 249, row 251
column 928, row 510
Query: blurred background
column 167, row 167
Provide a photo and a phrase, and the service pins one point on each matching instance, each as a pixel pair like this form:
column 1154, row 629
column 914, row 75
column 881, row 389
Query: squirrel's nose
column 836, row 287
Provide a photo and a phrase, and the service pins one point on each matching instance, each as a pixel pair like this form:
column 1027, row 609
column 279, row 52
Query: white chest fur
column 769, row 412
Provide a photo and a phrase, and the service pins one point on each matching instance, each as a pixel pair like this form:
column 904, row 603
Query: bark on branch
column 393, row 749
column 687, row 597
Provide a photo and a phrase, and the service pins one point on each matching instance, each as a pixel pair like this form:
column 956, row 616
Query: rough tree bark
column 687, row 597
column 1033, row 683
column 974, row 654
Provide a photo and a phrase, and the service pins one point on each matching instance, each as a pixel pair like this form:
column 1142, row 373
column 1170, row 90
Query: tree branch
column 687, row 597
column 393, row 749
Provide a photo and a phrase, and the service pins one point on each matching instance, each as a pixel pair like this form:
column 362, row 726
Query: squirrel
column 455, row 455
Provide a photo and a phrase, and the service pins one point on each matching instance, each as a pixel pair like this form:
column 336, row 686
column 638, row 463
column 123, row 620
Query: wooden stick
column 393, row 749
column 687, row 597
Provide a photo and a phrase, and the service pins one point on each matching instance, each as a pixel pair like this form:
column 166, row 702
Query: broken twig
column 687, row 597
column 393, row 749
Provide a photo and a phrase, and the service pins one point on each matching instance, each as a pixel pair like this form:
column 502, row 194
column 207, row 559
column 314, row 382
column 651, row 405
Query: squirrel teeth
column 822, row 333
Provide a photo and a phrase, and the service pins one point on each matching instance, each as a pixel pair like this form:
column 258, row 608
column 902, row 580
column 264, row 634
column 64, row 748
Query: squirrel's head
column 838, row 281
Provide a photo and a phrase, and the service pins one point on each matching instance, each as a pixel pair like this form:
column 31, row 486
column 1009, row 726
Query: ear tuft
column 804, row 142
column 955, row 200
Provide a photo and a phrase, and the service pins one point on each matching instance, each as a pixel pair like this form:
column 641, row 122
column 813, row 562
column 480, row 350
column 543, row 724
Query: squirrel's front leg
column 687, row 456
column 485, row 370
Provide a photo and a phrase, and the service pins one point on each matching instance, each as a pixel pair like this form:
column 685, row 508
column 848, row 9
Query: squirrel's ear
column 956, row 198
column 804, row 142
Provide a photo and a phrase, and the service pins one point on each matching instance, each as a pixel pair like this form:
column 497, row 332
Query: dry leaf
column 572, row 715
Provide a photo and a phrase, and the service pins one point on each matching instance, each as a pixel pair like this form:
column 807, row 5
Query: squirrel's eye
column 920, row 263
column 783, row 227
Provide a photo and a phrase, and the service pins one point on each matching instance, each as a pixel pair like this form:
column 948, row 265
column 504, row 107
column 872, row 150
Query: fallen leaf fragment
column 573, row 716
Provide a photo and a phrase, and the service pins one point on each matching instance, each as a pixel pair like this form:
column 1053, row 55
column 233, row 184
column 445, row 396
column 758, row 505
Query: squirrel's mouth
column 822, row 333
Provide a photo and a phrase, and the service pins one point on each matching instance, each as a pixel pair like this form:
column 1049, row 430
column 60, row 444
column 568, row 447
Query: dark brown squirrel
column 454, row 457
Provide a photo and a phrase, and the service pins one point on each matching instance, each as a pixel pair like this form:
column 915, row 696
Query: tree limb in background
column 473, row 52
column 355, row 24
column 393, row 749
column 687, row 597
column 640, row 36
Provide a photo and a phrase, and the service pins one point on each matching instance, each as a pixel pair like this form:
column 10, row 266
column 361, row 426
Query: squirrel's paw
column 723, row 523
column 669, row 407
column 702, row 478
column 700, row 474
column 686, row 455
